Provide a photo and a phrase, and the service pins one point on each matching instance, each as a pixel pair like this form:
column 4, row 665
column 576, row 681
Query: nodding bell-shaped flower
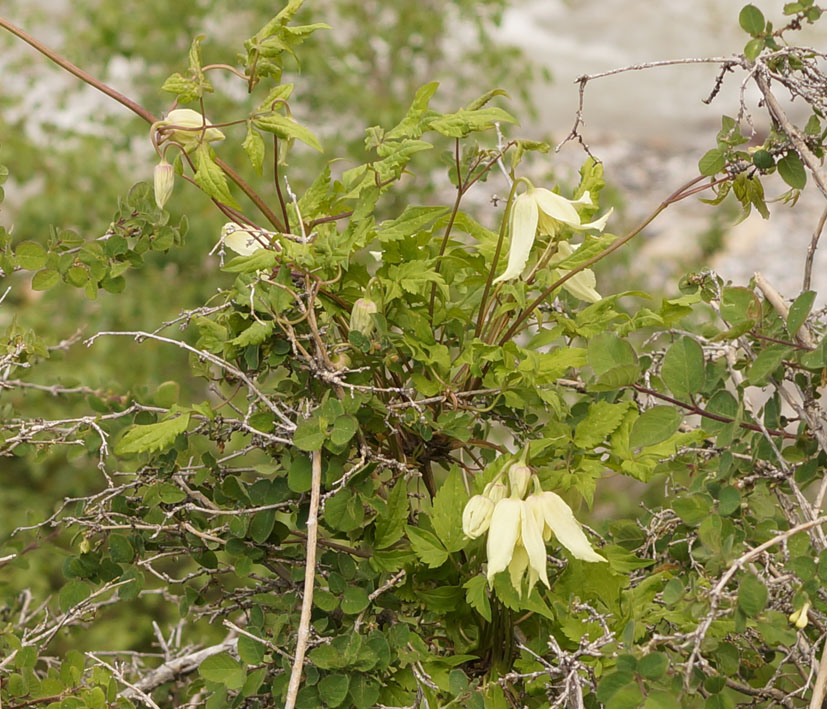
column 558, row 519
column 519, row 529
column 185, row 126
column 476, row 517
column 164, row 181
column 580, row 285
column 539, row 208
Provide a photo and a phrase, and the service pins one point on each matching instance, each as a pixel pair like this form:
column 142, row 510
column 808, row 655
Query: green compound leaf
column 286, row 128
column 210, row 178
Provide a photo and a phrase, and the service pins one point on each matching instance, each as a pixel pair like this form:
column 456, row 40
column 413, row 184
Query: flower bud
column 476, row 517
column 519, row 475
column 189, row 126
column 164, row 179
column 361, row 317
column 495, row 491
column 340, row 361
column 799, row 618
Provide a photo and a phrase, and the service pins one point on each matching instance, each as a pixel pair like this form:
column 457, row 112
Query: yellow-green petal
column 532, row 536
column 502, row 535
column 560, row 518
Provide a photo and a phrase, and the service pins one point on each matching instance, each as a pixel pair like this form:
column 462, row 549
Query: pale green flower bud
column 164, row 181
column 361, row 316
column 189, row 126
column 476, row 517
column 519, row 476
column 495, row 492
column 799, row 618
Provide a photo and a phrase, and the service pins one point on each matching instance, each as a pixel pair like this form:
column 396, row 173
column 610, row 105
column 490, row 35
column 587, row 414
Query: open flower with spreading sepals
column 539, row 209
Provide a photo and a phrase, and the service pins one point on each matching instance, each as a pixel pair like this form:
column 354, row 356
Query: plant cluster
column 372, row 488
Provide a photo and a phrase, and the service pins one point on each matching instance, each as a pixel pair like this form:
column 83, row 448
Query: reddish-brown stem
column 137, row 109
column 448, row 227
column 692, row 408
column 278, row 184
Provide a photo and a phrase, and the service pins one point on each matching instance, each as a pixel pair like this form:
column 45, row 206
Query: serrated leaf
column 286, row 128
column 601, row 420
column 259, row 260
column 426, row 546
column 390, row 524
column 448, row 504
column 683, row 367
column 654, row 426
column 153, row 436
column 792, row 171
column 253, row 145
column 411, row 221
column 409, row 126
column 463, row 122
column 476, row 596
column 257, row 333
column 224, row 669
column 210, row 178
column 186, row 89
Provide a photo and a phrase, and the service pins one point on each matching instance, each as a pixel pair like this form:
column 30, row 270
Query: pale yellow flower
column 539, row 208
column 560, row 520
column 580, row 285
column 243, row 241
